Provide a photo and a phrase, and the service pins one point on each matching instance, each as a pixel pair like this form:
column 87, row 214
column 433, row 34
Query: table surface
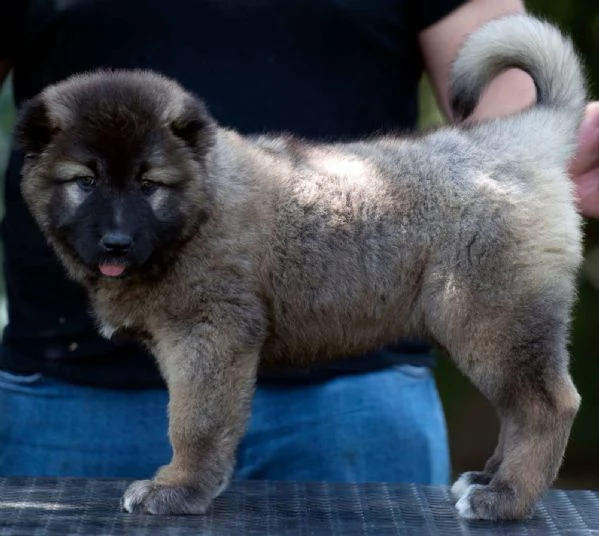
column 43, row 506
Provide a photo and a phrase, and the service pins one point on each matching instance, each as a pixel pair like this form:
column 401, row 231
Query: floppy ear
column 195, row 126
column 34, row 128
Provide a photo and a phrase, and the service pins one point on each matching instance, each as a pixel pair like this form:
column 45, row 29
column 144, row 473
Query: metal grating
column 61, row 507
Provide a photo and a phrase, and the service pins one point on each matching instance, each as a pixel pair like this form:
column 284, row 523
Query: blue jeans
column 381, row 426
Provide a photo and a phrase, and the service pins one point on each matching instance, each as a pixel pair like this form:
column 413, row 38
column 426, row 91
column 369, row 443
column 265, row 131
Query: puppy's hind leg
column 463, row 483
column 518, row 359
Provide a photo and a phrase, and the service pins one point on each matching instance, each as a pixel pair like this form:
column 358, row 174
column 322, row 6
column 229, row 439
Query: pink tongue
column 112, row 270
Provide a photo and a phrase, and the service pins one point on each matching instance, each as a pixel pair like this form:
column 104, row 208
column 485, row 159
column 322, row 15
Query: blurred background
column 471, row 422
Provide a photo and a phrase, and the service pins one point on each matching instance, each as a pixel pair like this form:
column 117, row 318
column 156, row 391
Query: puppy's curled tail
column 521, row 41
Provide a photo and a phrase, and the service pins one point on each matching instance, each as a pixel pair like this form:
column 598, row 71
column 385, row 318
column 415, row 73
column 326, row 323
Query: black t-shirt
column 322, row 69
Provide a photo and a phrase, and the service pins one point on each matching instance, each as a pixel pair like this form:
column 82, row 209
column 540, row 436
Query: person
column 74, row 404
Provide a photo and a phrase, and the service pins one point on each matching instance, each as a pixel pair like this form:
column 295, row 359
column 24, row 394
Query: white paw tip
column 133, row 494
column 127, row 505
column 460, row 486
column 463, row 506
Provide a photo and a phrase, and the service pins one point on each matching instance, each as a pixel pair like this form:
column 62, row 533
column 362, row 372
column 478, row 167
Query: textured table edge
column 81, row 506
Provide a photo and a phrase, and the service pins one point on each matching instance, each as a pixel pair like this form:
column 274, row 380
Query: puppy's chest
column 122, row 320
column 126, row 334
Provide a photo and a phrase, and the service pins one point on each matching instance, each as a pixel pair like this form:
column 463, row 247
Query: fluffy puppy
column 221, row 251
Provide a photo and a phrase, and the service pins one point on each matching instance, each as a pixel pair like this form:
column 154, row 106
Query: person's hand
column 584, row 167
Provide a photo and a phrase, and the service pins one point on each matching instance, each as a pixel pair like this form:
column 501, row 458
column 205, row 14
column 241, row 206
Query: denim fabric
column 381, row 426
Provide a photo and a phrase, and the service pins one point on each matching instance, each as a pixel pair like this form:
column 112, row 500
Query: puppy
column 221, row 251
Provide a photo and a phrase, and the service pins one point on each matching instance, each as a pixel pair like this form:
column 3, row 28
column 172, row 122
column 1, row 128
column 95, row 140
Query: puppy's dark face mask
column 114, row 170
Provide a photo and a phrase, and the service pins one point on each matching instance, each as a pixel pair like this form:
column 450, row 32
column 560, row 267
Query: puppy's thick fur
column 219, row 251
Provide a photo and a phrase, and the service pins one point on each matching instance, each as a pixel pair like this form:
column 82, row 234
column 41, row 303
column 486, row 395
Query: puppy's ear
column 195, row 126
column 34, row 128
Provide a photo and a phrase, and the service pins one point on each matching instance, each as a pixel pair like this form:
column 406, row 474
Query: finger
column 587, row 193
column 587, row 153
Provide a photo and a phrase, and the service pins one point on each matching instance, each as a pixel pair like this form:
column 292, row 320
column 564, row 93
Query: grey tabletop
column 38, row 506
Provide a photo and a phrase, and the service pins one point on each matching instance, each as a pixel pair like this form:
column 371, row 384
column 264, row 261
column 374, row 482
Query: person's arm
column 5, row 67
column 509, row 92
column 14, row 14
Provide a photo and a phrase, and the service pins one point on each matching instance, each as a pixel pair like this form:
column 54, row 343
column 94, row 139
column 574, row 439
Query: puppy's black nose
column 116, row 242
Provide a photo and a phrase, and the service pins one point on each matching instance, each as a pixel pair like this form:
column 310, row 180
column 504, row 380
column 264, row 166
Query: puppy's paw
column 464, row 504
column 151, row 497
column 492, row 503
column 461, row 485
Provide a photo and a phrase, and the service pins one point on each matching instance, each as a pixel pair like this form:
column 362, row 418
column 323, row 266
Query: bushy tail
column 521, row 41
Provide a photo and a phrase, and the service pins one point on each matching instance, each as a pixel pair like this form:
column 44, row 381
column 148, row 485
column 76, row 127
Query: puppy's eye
column 148, row 187
column 86, row 183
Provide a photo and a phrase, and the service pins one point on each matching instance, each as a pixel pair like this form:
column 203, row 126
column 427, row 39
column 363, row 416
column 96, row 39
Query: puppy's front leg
column 210, row 381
